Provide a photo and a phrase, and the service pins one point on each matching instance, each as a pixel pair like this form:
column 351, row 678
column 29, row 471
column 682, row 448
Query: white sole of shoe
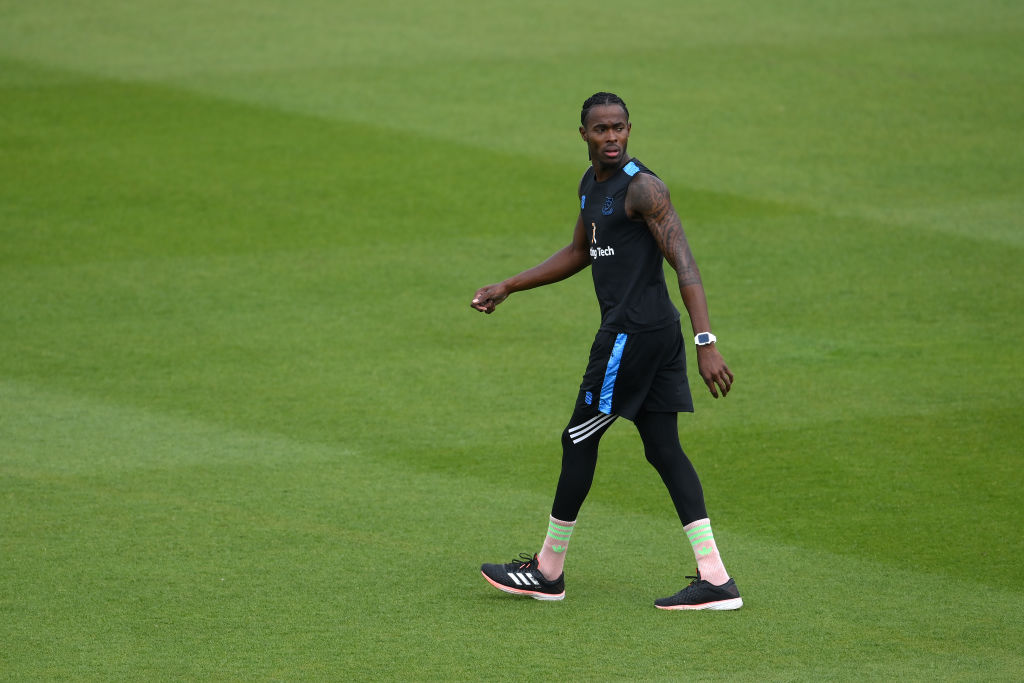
column 516, row 591
column 734, row 603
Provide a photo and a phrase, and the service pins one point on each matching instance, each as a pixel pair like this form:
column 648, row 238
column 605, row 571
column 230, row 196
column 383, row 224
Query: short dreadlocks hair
column 598, row 99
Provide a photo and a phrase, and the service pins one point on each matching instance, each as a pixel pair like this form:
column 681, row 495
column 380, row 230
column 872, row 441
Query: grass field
column 251, row 429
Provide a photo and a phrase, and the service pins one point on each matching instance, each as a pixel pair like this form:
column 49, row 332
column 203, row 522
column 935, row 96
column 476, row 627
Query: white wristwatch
column 704, row 339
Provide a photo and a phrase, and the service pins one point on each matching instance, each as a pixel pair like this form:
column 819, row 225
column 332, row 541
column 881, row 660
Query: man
column 637, row 370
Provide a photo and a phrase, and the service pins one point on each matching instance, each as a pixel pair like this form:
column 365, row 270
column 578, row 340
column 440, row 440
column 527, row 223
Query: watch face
column 703, row 338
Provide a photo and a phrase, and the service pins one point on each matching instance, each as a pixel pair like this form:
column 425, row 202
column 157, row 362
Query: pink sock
column 551, row 559
column 709, row 562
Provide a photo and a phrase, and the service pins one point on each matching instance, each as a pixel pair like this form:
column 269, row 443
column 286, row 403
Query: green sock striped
column 559, row 535
column 705, row 551
column 700, row 534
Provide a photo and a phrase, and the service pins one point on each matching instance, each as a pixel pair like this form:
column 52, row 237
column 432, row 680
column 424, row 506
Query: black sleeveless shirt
column 625, row 259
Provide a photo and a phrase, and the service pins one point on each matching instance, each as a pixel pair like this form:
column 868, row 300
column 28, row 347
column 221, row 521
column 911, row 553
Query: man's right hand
column 487, row 298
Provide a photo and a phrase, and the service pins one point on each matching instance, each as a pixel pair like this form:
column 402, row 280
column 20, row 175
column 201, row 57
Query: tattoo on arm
column 650, row 199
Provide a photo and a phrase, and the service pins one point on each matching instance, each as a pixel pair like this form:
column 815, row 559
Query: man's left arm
column 648, row 198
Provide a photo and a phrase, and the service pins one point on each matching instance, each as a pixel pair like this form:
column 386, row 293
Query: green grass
column 250, row 428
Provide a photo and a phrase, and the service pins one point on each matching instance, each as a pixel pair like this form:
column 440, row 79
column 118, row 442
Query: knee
column 655, row 456
column 578, row 454
column 666, row 457
column 566, row 440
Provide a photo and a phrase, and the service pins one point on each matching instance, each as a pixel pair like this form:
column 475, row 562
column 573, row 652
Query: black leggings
column 660, row 436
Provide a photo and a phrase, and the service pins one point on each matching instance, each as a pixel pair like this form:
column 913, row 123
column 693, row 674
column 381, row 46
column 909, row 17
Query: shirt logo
column 608, row 206
column 595, row 250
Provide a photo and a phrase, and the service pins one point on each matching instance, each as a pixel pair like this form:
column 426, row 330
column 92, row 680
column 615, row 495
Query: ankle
column 547, row 570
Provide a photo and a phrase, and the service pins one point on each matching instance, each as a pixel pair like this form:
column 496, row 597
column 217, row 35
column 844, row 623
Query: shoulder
column 646, row 192
column 587, row 174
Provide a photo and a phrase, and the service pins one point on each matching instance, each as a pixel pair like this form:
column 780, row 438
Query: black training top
column 625, row 259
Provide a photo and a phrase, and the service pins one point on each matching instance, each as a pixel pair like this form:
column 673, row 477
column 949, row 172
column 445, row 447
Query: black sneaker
column 522, row 577
column 702, row 595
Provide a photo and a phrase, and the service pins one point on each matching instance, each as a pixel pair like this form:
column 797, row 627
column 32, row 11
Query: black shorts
column 638, row 371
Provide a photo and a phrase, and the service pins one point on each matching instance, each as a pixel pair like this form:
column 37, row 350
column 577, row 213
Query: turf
column 250, row 428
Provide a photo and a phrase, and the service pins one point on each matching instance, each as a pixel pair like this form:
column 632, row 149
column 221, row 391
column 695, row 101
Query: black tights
column 660, row 437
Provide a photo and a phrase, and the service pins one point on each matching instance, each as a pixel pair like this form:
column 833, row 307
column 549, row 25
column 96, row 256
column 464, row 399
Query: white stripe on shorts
column 594, row 424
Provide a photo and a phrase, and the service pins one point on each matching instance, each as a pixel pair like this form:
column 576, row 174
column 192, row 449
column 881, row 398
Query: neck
column 603, row 172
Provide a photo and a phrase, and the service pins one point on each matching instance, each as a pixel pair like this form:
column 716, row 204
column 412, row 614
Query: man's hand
column 713, row 370
column 487, row 298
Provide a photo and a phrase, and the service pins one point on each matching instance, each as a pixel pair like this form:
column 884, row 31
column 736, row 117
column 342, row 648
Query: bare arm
column 649, row 199
column 564, row 263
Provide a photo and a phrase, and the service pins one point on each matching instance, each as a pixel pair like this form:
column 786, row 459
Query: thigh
column 605, row 355
column 669, row 390
column 587, row 424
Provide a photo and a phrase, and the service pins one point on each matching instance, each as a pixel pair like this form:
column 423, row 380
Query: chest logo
column 608, row 206
column 595, row 250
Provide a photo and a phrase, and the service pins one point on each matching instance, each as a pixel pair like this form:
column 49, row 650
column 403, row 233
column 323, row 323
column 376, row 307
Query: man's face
column 606, row 133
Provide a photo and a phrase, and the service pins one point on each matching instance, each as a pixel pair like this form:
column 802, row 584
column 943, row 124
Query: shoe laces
column 524, row 560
